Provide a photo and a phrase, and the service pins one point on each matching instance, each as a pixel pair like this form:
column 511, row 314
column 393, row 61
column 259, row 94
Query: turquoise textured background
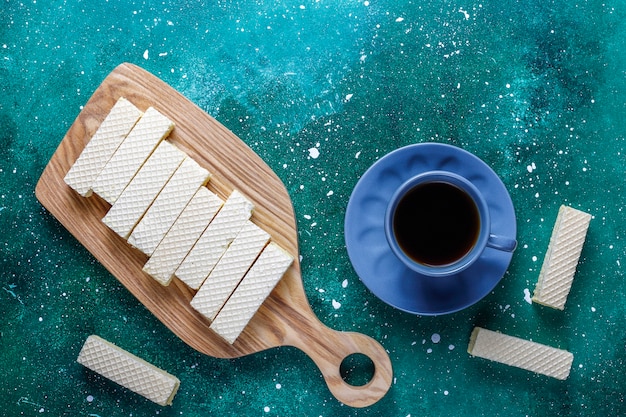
column 321, row 90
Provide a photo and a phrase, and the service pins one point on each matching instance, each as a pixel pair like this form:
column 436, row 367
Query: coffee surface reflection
column 436, row 223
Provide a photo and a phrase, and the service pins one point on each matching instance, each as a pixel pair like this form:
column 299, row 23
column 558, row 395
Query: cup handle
column 502, row 243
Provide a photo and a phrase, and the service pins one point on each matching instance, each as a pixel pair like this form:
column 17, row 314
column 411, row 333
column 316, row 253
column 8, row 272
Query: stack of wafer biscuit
column 161, row 205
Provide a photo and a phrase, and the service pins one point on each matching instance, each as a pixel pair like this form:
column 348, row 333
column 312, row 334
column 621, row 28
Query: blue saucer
column 375, row 263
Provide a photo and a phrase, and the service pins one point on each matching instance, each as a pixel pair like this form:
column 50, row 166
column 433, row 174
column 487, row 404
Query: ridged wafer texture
column 143, row 189
column 168, row 205
column 131, row 154
column 102, row 145
column 128, row 370
column 230, row 270
column 256, row 286
column 559, row 265
column 215, row 240
column 520, row 353
column 182, row 235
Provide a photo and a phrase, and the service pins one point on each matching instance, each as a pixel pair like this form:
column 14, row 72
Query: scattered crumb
column 527, row 296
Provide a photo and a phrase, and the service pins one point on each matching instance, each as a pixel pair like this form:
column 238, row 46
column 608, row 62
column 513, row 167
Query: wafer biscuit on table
column 211, row 245
column 559, row 265
column 256, row 286
column 102, row 145
column 131, row 154
column 128, row 370
column 230, row 269
column 143, row 189
column 520, row 353
column 182, row 235
column 168, row 205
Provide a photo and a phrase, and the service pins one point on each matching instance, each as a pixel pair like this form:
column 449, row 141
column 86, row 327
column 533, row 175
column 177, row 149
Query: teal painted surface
column 321, row 90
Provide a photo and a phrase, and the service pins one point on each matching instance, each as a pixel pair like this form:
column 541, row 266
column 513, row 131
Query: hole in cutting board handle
column 336, row 352
column 357, row 369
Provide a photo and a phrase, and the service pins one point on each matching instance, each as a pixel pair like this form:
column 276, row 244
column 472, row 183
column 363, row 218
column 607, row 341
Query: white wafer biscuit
column 131, row 154
column 520, row 353
column 230, row 269
column 211, row 245
column 102, row 145
column 256, row 286
column 143, row 189
column 168, row 205
column 128, row 370
column 559, row 265
column 182, row 235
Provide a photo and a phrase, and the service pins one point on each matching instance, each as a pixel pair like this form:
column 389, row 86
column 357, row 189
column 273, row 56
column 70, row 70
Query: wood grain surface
column 285, row 318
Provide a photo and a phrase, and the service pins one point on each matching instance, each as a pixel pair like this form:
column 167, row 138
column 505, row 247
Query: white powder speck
column 266, row 409
column 344, row 284
column 436, row 338
column 145, row 54
column 336, row 305
column 89, row 398
column 534, row 258
column 508, row 85
column 593, row 309
column 331, row 192
column 278, row 386
column 314, row 153
column 400, row 19
column 348, row 97
column 307, row 216
column 357, row 155
column 40, row 318
column 429, row 350
column 451, row 347
column 527, row 296
column 446, row 392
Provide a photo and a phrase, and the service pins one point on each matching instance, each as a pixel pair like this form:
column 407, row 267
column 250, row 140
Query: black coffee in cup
column 436, row 223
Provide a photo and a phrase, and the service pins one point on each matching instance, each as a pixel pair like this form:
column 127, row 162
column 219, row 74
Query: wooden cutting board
column 285, row 318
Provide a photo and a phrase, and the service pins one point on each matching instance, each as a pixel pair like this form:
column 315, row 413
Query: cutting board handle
column 328, row 348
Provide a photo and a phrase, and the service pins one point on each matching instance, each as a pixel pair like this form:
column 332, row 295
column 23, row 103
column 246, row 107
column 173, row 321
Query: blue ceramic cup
column 438, row 224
